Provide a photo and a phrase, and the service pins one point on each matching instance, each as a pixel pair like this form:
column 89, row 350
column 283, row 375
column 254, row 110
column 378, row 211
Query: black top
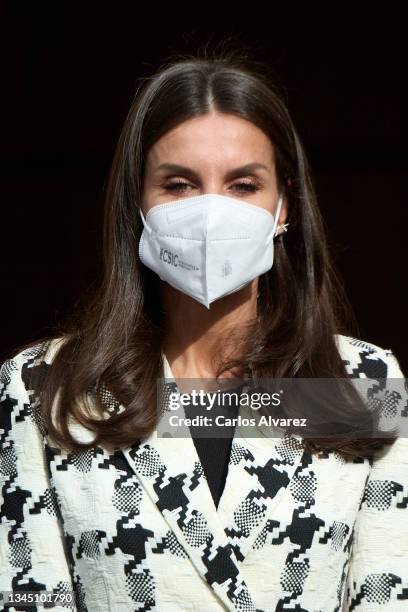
column 213, row 443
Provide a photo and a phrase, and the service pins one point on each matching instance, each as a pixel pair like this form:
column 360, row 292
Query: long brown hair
column 113, row 339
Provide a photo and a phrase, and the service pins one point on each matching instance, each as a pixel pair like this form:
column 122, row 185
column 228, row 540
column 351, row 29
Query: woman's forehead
column 229, row 142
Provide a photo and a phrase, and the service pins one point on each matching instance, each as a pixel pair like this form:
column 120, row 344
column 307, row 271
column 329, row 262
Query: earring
column 283, row 228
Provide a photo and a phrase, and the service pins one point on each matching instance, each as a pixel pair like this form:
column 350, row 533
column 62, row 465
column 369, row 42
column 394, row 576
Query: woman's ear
column 283, row 211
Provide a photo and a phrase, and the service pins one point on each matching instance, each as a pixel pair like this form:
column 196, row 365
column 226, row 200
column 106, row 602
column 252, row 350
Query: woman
column 216, row 266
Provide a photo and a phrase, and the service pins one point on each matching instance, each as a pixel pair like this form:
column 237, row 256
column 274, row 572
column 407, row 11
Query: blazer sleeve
column 378, row 570
column 32, row 550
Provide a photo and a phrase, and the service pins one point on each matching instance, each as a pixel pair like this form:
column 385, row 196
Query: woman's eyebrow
column 231, row 174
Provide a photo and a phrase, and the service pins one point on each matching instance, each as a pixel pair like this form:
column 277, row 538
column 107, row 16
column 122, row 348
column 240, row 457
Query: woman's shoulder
column 21, row 375
column 364, row 358
column 46, row 348
column 18, row 370
column 368, row 360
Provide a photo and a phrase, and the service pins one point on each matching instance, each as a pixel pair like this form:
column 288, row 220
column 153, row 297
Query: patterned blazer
column 137, row 529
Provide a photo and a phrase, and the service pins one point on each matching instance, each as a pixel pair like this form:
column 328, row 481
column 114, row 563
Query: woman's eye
column 247, row 186
column 242, row 187
column 176, row 186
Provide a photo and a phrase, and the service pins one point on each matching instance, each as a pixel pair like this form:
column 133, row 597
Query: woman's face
column 213, row 153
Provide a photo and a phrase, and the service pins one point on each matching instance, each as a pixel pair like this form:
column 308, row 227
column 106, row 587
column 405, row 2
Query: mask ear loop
column 278, row 209
column 147, row 228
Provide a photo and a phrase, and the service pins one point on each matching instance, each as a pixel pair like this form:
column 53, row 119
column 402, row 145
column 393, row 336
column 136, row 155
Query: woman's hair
column 113, row 339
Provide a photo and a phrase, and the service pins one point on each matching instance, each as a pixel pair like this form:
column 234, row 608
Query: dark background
column 69, row 73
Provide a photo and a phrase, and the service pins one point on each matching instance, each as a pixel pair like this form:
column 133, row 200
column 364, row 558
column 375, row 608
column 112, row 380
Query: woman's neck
column 197, row 339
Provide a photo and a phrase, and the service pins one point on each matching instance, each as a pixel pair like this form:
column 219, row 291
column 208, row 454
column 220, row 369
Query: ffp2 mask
column 209, row 245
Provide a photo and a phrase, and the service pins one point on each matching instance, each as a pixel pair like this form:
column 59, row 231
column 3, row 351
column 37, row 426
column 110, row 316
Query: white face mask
column 209, row 245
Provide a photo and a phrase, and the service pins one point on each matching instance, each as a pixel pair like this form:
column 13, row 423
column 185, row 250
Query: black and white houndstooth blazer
column 137, row 529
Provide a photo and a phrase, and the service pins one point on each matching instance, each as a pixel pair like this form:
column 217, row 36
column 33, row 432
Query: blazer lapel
column 172, row 476
column 216, row 541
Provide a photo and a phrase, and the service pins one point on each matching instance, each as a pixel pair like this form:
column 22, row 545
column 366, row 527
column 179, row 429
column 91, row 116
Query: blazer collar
column 217, row 541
